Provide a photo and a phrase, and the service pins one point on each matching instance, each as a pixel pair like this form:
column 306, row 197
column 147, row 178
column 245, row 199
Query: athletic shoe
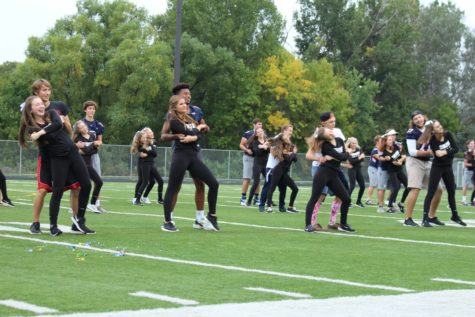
column 351, row 206
column 310, row 228
column 369, row 202
column 54, row 230
column 257, row 201
column 269, row 209
column 243, row 201
column 346, row 228
column 136, row 202
column 401, row 207
column 410, row 223
column 35, row 228
column 292, row 210
column 282, row 209
column 160, row 201
column 436, row 221
column 213, row 220
column 426, row 223
column 391, row 210
column 197, row 225
column 93, row 208
column 472, row 203
column 464, row 203
column 380, row 209
column 169, row 227
column 457, row 219
column 248, row 203
column 333, row 227
column 7, row 203
column 262, row 209
column 360, row 205
column 386, row 202
column 80, row 224
column 101, row 209
column 75, row 229
column 146, row 200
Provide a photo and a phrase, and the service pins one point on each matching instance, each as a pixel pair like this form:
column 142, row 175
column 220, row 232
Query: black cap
column 415, row 113
column 325, row 116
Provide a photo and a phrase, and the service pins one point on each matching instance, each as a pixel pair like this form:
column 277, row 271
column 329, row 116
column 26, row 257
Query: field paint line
column 274, row 291
column 218, row 266
column 165, row 298
column 449, row 280
column 27, row 306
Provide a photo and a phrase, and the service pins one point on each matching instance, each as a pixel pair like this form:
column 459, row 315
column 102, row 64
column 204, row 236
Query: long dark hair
column 28, row 120
column 428, row 132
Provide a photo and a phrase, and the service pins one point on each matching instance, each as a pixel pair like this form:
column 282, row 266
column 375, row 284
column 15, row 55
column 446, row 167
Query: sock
column 200, row 214
column 334, row 212
column 98, row 203
column 464, row 199
column 316, row 209
column 256, row 196
column 171, row 216
column 243, row 195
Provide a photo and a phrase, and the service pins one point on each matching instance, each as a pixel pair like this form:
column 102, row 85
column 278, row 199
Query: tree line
column 370, row 61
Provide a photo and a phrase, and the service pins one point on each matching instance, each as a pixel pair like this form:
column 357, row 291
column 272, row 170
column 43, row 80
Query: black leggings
column 154, row 176
column 326, row 176
column 183, row 160
column 447, row 175
column 3, row 186
column 60, row 168
column 257, row 171
column 97, row 183
column 281, row 176
column 355, row 175
column 147, row 174
column 397, row 178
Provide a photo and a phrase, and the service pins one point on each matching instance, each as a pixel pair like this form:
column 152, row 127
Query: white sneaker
column 146, row 200
column 206, row 224
column 93, row 208
column 101, row 209
column 381, row 209
column 243, row 201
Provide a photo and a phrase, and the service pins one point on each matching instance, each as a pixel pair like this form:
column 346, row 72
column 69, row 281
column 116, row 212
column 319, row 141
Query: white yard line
column 27, row 306
column 274, row 291
column 218, row 266
column 165, row 298
column 449, row 280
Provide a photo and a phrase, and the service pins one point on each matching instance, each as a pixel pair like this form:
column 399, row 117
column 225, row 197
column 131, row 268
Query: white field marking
column 274, row 291
column 12, row 229
column 26, row 306
column 434, row 304
column 449, row 280
column 165, row 298
column 64, row 229
column 218, row 266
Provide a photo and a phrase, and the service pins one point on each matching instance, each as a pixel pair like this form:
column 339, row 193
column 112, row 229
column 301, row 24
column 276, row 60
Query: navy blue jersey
column 195, row 112
column 95, row 126
column 412, row 135
column 247, row 135
column 372, row 161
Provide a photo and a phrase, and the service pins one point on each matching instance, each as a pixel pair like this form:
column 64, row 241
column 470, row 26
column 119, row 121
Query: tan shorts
column 417, row 172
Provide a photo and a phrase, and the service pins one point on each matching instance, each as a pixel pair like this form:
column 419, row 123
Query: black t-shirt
column 178, row 127
column 447, row 144
column 56, row 142
column 89, row 148
column 151, row 152
column 260, row 155
column 337, row 151
column 468, row 155
column 355, row 158
column 395, row 154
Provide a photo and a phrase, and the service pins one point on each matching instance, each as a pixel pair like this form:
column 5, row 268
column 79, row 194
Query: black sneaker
column 214, row 221
column 292, row 210
column 401, row 207
column 410, row 223
column 80, row 224
column 310, row 228
column 262, row 209
column 169, row 227
column 160, row 202
column 75, row 229
column 137, row 202
column 391, row 210
column 7, row 202
column 436, row 221
column 54, row 231
column 346, row 228
column 35, row 228
column 426, row 223
column 360, row 204
column 457, row 219
column 282, row 209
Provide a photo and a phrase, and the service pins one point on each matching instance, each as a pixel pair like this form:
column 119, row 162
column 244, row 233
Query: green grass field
column 90, row 274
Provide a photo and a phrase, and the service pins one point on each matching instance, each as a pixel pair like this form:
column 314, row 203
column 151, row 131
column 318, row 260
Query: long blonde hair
column 174, row 114
column 315, row 141
column 351, row 140
column 136, row 142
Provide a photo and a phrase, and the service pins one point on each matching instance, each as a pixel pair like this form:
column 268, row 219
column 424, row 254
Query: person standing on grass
column 43, row 89
column 395, row 159
column 90, row 107
column 47, row 129
column 84, row 140
column 247, row 162
column 373, row 170
column 418, row 166
column 444, row 147
column 382, row 173
column 259, row 145
column 183, row 90
column 185, row 157
column 333, row 149
column 468, row 178
column 354, row 172
column 4, row 200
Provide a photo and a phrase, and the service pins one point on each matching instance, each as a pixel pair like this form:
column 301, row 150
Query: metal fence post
column 229, row 165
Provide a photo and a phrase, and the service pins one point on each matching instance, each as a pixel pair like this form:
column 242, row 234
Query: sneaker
column 135, row 202
column 93, row 208
column 269, row 209
column 401, row 207
column 380, row 209
column 369, row 202
column 213, row 221
column 248, row 203
column 457, row 219
column 333, row 226
column 101, row 209
column 310, row 228
column 169, row 227
column 197, row 225
column 7, row 203
column 391, row 210
column 146, row 200
column 35, row 228
column 75, row 229
column 257, row 201
column 54, row 230
column 426, row 223
column 386, row 202
column 410, row 223
column 472, row 203
column 360, row 205
column 243, row 201
column 464, row 203
column 160, row 202
column 292, row 210
column 262, row 209
column 346, row 228
column 80, row 224
column 351, row 206
column 436, row 221
column 282, row 209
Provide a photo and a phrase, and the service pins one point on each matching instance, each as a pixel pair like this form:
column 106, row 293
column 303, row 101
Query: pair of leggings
column 96, row 179
column 3, row 186
column 154, row 177
column 183, row 160
column 257, row 171
column 447, row 175
column 355, row 175
column 281, row 175
column 327, row 176
column 147, row 175
column 396, row 178
column 265, row 189
column 60, row 168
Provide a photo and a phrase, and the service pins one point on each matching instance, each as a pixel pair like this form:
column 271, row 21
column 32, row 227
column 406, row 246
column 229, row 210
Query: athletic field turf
column 259, row 264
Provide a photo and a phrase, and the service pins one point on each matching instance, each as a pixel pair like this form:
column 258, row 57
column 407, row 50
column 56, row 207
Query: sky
column 20, row 19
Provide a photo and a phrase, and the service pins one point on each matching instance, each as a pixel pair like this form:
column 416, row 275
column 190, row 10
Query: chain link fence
column 117, row 163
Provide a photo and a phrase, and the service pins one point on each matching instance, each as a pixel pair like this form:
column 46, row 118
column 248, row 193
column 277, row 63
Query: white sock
column 464, row 199
column 171, row 215
column 200, row 214
column 98, row 203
